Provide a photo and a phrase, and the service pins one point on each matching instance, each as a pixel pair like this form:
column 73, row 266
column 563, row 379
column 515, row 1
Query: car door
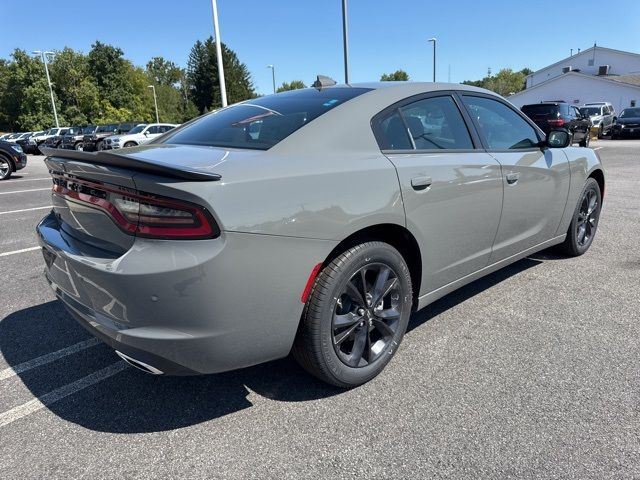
column 535, row 179
column 451, row 188
column 152, row 132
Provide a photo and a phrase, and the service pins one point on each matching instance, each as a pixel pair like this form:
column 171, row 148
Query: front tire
column 99, row 145
column 585, row 220
column 130, row 144
column 356, row 315
column 6, row 168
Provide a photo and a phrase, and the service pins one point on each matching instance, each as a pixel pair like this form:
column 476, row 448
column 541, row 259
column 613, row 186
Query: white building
column 597, row 74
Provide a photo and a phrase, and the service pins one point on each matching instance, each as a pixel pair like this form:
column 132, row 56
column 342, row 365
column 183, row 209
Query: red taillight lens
column 556, row 122
column 139, row 213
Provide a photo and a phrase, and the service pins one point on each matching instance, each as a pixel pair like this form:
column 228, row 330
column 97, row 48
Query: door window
column 501, row 127
column 152, row 130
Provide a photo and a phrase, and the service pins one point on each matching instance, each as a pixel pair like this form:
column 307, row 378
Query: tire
column 570, row 139
column 585, row 141
column 6, row 168
column 600, row 132
column 78, row 146
column 337, row 320
column 99, row 145
column 130, row 144
column 586, row 214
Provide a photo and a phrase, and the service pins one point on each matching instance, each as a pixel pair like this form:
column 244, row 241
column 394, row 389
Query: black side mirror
column 558, row 139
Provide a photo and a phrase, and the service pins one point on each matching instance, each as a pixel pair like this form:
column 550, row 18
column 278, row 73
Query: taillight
column 556, row 122
column 138, row 213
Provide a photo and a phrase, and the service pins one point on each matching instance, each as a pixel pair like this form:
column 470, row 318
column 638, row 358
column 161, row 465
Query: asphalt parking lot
column 533, row 371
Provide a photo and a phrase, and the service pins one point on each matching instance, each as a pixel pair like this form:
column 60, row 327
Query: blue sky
column 304, row 37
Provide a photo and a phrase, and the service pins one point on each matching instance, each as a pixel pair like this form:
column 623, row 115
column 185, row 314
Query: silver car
column 312, row 221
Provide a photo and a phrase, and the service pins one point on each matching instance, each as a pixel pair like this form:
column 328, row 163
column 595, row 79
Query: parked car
column 23, row 139
column 5, row 136
column 211, row 250
column 553, row 115
column 54, row 140
column 12, row 159
column 30, row 145
column 52, row 132
column 96, row 140
column 139, row 135
column 627, row 124
column 601, row 116
column 73, row 139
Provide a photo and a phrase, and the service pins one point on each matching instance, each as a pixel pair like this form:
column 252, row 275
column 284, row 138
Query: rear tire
column 79, row 146
column 585, row 141
column 99, row 145
column 6, row 168
column 585, row 220
column 600, row 132
column 347, row 335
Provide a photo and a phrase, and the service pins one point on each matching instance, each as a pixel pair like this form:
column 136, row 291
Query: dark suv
column 54, row 141
column 73, row 139
column 553, row 115
column 95, row 140
column 12, row 158
column 627, row 124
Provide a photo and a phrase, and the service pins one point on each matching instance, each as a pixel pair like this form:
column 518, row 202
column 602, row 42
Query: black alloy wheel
column 584, row 224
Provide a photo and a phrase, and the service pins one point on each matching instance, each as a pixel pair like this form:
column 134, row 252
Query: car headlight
column 17, row 148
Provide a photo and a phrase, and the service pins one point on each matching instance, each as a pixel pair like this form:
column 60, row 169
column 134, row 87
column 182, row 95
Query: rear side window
column 433, row 123
column 542, row 110
column 261, row 123
column 501, row 127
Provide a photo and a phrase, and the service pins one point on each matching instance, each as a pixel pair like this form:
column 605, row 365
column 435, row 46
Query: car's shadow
column 132, row 401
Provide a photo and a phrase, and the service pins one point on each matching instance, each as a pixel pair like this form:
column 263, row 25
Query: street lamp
column 273, row 76
column 434, row 57
column 155, row 101
column 345, row 41
column 46, row 69
column 216, row 31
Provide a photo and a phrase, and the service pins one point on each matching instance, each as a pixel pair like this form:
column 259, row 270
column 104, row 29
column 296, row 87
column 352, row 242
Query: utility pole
column 434, row 40
column 155, row 101
column 345, row 41
column 216, row 31
column 273, row 76
column 46, row 69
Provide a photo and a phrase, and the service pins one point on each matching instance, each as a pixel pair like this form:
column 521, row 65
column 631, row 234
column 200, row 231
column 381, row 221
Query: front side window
column 500, row 126
column 260, row 123
column 153, row 129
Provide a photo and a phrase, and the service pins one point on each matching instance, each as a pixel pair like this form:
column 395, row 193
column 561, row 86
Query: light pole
column 216, row 31
column 434, row 40
column 273, row 76
column 155, row 101
column 46, row 69
column 345, row 41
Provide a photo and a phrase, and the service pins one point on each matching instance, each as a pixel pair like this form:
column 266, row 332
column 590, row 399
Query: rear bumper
column 186, row 307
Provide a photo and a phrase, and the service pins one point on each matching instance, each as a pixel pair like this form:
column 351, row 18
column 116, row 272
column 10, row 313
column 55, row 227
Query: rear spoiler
column 132, row 163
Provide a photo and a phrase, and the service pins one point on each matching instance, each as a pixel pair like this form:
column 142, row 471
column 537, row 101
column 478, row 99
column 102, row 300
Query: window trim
column 539, row 133
column 377, row 119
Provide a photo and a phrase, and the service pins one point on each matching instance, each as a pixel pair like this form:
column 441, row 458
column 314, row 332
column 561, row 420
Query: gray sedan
column 312, row 221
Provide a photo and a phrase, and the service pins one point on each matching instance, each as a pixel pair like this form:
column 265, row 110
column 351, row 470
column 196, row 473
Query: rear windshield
column 260, row 123
column 590, row 111
column 107, row 128
column 630, row 112
column 540, row 110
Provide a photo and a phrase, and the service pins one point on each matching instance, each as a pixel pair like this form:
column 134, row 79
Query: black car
column 627, row 124
column 54, row 141
column 12, row 158
column 30, row 144
column 95, row 141
column 554, row 115
column 74, row 136
column 22, row 140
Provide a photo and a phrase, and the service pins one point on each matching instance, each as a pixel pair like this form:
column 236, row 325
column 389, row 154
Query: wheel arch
column 598, row 175
column 395, row 235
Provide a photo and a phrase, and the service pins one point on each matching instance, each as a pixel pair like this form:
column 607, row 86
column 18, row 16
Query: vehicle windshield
column 540, row 110
column 24, row 135
column 261, row 123
column 74, row 130
column 630, row 112
column 89, row 129
column 137, row 129
column 591, row 111
column 107, row 128
column 52, row 131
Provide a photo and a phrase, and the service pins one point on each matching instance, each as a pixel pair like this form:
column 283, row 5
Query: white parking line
column 24, row 191
column 24, row 210
column 48, row 358
column 29, row 179
column 47, row 399
column 598, row 148
column 30, row 249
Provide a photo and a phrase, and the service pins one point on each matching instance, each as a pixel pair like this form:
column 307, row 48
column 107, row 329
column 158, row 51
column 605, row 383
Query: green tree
column 111, row 73
column 505, row 82
column 397, row 76
column 77, row 93
column 202, row 72
column 163, row 72
column 292, row 85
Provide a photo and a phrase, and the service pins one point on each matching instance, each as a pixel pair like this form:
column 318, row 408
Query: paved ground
column 531, row 372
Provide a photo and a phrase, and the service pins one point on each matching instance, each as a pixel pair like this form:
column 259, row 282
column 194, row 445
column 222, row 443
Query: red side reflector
column 312, row 278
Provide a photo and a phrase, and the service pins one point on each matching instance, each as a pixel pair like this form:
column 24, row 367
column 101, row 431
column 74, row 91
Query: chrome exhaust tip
column 139, row 365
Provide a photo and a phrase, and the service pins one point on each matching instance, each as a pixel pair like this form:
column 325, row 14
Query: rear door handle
column 512, row 178
column 421, row 182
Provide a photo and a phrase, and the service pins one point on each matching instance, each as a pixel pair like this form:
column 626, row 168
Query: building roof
column 626, row 80
column 582, row 53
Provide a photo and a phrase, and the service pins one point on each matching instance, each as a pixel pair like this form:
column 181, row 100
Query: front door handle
column 421, row 182
column 512, row 178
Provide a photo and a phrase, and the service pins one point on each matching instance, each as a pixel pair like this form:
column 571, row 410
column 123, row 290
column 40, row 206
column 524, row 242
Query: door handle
column 512, row 178
column 421, row 182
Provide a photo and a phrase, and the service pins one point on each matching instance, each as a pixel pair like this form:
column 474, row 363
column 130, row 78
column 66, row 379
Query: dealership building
column 597, row 74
